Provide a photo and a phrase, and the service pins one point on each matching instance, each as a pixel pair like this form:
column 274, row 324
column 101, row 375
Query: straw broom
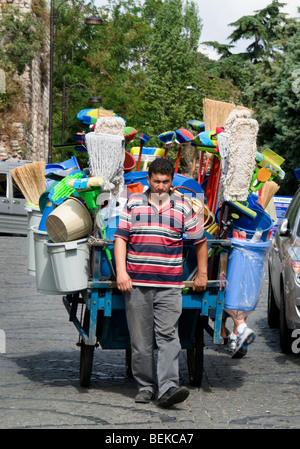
column 31, row 180
column 215, row 113
column 268, row 191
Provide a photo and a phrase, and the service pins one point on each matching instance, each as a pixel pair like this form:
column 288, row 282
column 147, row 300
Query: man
column 148, row 254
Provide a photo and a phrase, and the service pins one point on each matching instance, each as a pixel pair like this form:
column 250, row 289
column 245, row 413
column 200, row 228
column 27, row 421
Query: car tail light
column 296, row 268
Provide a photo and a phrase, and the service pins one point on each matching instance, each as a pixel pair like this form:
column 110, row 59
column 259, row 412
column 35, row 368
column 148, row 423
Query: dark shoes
column 173, row 396
column 144, row 396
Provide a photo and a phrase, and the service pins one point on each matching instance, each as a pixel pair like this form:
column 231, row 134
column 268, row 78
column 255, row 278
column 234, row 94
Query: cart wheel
column 195, row 356
column 86, row 355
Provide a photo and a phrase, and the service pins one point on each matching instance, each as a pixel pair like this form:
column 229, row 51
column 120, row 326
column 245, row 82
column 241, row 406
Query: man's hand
column 124, row 282
column 200, row 282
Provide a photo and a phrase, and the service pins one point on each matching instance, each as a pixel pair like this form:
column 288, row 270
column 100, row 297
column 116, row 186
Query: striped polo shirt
column 154, row 239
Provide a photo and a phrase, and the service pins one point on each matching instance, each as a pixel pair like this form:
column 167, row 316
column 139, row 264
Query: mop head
column 106, row 157
column 110, row 125
column 237, row 147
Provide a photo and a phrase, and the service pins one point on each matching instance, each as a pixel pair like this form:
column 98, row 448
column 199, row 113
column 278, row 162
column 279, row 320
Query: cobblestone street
column 39, row 372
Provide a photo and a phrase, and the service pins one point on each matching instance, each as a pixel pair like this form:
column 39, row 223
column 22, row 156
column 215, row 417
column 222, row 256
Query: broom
column 268, row 191
column 31, row 180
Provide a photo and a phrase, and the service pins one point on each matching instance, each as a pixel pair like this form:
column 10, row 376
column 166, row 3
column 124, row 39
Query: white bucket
column 45, row 281
column 71, row 264
column 70, row 220
column 34, row 216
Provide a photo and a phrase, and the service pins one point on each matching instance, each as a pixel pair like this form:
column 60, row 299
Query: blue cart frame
column 104, row 321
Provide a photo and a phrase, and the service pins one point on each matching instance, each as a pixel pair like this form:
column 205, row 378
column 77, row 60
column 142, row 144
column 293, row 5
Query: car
column 284, row 277
column 13, row 215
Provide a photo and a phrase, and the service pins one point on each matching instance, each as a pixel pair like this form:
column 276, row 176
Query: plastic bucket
column 45, row 281
column 69, row 221
column 245, row 269
column 70, row 263
column 34, row 216
column 136, row 187
column 262, row 220
column 129, row 162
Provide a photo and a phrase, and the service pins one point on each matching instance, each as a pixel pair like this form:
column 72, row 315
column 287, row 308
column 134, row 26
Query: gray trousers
column 154, row 312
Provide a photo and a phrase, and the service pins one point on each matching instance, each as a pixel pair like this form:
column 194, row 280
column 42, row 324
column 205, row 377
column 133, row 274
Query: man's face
column 160, row 184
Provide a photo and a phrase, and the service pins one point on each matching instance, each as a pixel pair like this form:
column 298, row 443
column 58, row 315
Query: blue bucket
column 262, row 220
column 245, row 269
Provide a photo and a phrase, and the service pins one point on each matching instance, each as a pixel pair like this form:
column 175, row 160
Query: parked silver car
column 284, row 278
column 13, row 216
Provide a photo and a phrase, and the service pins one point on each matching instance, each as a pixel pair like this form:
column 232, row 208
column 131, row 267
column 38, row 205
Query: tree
column 263, row 27
column 172, row 66
column 19, row 32
column 287, row 113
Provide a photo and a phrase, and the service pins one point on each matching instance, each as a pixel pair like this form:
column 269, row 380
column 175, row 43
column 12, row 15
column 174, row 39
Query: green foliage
column 17, row 33
column 265, row 74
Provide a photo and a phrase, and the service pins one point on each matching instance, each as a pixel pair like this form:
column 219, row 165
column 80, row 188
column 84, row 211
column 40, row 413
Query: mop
column 106, row 157
column 110, row 125
column 106, row 151
column 237, row 146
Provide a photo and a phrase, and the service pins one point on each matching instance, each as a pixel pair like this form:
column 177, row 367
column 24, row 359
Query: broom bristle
column 31, row 180
column 215, row 113
column 268, row 191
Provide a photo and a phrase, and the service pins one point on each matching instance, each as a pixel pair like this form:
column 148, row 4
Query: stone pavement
column 39, row 373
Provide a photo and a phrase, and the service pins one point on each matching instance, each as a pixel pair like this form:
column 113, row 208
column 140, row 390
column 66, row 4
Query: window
column 293, row 208
column 3, row 185
column 16, row 191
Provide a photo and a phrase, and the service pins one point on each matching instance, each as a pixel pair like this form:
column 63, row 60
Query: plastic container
column 49, row 207
column 129, row 162
column 34, row 216
column 245, row 269
column 262, row 220
column 136, row 187
column 69, row 221
column 70, row 263
column 45, row 281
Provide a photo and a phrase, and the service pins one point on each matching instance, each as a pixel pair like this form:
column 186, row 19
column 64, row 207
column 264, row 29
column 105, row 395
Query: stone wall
column 30, row 136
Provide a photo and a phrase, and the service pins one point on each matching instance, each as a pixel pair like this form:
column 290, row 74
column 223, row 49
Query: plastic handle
column 70, row 245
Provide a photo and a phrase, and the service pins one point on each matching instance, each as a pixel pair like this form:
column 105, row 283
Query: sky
column 217, row 14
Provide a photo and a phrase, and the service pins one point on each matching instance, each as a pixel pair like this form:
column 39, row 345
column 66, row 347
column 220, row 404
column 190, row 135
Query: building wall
column 30, row 137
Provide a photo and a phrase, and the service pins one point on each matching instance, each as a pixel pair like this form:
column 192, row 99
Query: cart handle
column 187, row 284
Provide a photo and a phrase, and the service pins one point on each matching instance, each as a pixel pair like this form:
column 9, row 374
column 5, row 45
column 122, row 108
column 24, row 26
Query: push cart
column 98, row 312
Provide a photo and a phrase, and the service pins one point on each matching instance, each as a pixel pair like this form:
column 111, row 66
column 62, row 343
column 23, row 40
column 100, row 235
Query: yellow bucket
column 69, row 221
